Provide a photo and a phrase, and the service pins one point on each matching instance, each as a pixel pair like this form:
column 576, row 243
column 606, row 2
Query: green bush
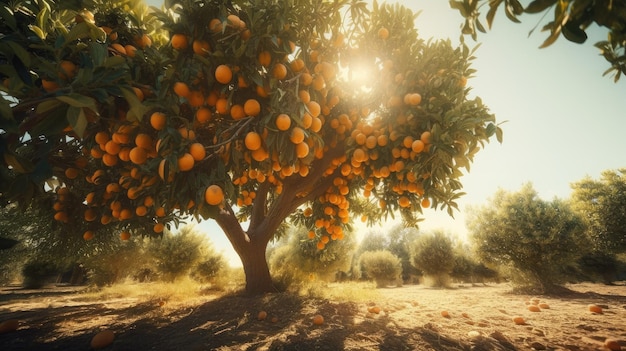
column 296, row 260
column 37, row 273
column 535, row 240
column 434, row 255
column 382, row 266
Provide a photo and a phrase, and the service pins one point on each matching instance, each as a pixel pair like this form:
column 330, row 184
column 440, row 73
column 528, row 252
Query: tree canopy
column 537, row 238
column 602, row 204
column 119, row 118
column 569, row 18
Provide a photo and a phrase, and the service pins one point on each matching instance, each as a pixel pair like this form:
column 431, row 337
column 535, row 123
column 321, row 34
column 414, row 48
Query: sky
column 564, row 120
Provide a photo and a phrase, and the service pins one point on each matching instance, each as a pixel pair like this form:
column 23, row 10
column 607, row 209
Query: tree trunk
column 258, row 279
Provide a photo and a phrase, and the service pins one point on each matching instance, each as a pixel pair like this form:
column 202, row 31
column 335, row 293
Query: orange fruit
column 185, row 162
column 252, row 107
column 383, row 33
column 67, row 70
column 297, row 135
column 201, row 47
column 302, row 150
column 119, row 48
column 404, row 202
column 215, row 25
column 279, row 71
column 262, row 315
column 157, row 120
column 179, row 41
column 143, row 140
column 124, row 235
column 158, row 228
column 237, row 112
column 425, row 203
column 265, row 58
column 138, row 155
column 181, row 89
column 223, row 74
column 214, row 195
column 417, row 146
column 426, row 137
column 283, row 122
column 222, row 107
column 71, row 173
column 203, row 115
column 197, row 151
column 130, row 50
column 88, row 235
column 49, row 85
column 253, row 141
column 314, row 108
column 318, row 319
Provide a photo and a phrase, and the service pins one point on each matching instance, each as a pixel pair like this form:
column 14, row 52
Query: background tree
column 602, row 205
column 433, row 255
column 538, row 239
column 295, row 259
column 381, row 266
column 261, row 105
column 570, row 18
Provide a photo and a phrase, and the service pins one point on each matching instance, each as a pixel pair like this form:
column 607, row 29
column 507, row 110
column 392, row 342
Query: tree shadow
column 230, row 322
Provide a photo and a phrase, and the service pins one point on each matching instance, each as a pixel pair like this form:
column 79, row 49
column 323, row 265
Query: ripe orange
column 279, row 71
column 314, row 108
column 144, row 140
column 130, row 50
column 297, row 135
column 201, row 47
column 215, row 25
column 88, row 235
column 67, row 70
column 318, row 319
column 181, row 89
column 138, row 155
column 383, row 33
column 237, row 112
column 214, row 195
column 425, row 203
column 417, row 146
column 302, row 150
column 265, row 58
column 223, row 74
column 185, row 162
column 71, row 173
column 404, row 202
column 197, row 151
column 49, row 85
column 426, row 137
column 203, row 115
column 252, row 107
column 179, row 41
column 158, row 228
column 283, row 122
column 119, row 48
column 253, row 141
column 124, row 235
column 157, row 120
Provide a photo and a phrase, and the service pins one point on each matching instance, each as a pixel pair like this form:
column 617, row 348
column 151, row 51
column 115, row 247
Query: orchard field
column 356, row 317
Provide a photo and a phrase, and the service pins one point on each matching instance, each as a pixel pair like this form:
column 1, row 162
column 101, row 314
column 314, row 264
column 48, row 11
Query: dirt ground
column 411, row 318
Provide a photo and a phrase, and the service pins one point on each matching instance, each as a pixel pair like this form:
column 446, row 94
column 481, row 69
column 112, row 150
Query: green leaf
column 78, row 120
column 20, row 52
column 37, row 31
column 573, row 33
column 552, row 38
column 493, row 7
column 78, row 100
column 539, row 5
column 5, row 110
column 8, row 17
column 47, row 106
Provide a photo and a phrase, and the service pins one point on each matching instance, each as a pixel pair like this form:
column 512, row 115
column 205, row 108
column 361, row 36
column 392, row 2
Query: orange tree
column 263, row 112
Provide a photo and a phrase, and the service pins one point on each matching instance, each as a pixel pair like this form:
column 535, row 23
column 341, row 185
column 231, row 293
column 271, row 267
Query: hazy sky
column 564, row 119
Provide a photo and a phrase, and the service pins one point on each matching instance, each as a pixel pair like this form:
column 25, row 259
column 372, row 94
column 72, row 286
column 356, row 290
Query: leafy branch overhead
column 569, row 18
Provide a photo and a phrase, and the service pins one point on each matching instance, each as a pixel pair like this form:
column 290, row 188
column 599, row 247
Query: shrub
column 382, row 266
column 175, row 254
column 296, row 259
column 433, row 255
